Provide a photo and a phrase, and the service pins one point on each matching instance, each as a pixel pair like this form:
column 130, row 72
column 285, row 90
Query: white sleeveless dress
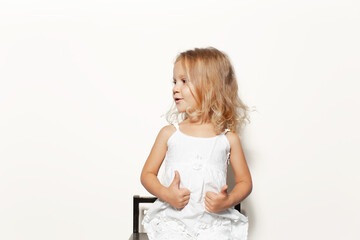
column 202, row 165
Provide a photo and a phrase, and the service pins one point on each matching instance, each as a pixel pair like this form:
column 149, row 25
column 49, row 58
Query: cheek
column 186, row 93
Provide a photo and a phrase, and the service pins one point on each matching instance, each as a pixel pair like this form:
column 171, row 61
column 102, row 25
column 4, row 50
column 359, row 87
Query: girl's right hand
column 177, row 197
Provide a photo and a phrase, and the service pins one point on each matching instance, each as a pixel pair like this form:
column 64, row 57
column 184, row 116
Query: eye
column 183, row 80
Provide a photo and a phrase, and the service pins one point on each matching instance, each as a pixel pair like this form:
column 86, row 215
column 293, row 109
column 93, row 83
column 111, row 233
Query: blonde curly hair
column 216, row 89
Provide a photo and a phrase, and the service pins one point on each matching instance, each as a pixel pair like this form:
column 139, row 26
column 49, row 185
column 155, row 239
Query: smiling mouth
column 178, row 100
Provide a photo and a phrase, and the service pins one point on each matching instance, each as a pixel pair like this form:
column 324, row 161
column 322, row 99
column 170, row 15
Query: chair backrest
column 136, row 202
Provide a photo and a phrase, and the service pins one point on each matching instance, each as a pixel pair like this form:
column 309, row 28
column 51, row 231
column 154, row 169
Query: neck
column 194, row 120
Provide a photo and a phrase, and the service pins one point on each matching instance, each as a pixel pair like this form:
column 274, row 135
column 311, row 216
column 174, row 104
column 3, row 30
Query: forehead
column 179, row 70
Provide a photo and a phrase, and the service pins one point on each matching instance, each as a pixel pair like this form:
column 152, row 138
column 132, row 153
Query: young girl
column 193, row 201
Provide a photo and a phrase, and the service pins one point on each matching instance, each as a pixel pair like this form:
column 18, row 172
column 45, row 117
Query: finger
column 186, row 197
column 184, row 200
column 185, row 191
column 224, row 189
column 208, row 202
column 210, row 195
column 176, row 181
column 208, row 209
column 182, row 195
column 184, row 203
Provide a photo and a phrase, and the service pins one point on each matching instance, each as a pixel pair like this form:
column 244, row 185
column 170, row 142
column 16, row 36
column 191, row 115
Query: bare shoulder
column 234, row 139
column 158, row 151
column 165, row 132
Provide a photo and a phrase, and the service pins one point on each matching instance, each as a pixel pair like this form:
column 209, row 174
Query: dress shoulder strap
column 226, row 130
column 228, row 154
column 176, row 125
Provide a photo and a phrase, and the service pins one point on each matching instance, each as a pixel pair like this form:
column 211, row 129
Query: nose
column 176, row 88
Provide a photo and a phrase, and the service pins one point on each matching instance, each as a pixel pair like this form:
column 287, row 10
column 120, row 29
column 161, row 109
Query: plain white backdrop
column 84, row 85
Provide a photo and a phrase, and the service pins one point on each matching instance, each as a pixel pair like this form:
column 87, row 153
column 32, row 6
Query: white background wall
column 83, row 85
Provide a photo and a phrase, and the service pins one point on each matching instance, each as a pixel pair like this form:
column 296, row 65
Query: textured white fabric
column 201, row 163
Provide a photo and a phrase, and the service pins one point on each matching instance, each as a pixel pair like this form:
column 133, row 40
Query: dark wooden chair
column 136, row 235
column 136, row 204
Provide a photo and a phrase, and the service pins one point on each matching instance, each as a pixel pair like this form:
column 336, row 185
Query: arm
column 243, row 187
column 243, row 181
column 175, row 196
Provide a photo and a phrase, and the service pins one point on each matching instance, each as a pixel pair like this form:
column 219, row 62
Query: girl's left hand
column 216, row 202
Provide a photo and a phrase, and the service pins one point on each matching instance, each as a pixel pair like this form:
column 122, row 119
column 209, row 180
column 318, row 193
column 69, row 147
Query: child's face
column 182, row 95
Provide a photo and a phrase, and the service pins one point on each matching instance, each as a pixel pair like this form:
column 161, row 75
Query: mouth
column 177, row 99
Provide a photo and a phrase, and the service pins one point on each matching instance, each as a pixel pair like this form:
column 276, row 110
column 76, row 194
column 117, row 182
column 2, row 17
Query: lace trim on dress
column 165, row 228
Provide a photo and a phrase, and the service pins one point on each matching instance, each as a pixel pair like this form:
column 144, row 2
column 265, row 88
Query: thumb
column 224, row 189
column 176, row 181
